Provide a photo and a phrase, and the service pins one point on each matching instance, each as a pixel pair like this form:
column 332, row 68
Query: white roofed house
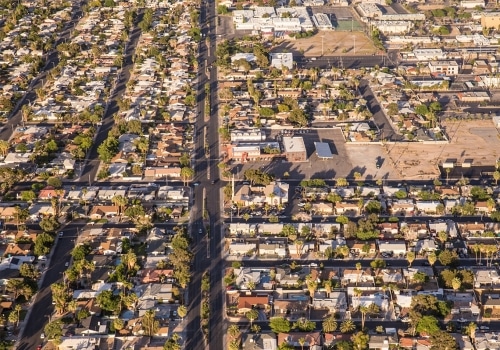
column 246, row 275
column 241, row 248
column 241, row 228
column 276, row 193
column 425, row 245
column 428, row 207
column 395, row 247
column 270, row 228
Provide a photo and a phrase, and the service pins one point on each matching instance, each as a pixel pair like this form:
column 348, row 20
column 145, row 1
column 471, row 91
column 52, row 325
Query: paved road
column 206, row 195
column 386, row 130
column 42, row 306
column 92, row 163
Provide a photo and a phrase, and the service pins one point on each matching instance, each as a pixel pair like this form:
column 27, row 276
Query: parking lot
column 347, row 159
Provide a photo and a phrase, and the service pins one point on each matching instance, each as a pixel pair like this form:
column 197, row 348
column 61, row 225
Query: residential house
column 334, row 302
column 247, row 275
column 348, row 209
column 391, row 276
column 487, row 277
column 394, row 247
column 313, row 340
column 100, row 211
column 324, row 208
column 402, row 207
column 463, row 302
column 289, row 307
column 249, row 302
column 270, row 229
column 241, row 228
column 21, row 249
column 241, row 248
column 428, row 207
column 368, row 297
column 260, row 341
column 425, row 246
column 362, row 248
column 272, row 249
column 378, row 342
column 358, row 276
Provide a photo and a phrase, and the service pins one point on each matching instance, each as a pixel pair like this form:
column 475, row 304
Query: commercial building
column 280, row 60
column 490, row 19
column 443, row 67
column 295, row 149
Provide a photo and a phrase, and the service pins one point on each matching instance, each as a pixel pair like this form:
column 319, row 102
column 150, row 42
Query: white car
column 484, row 328
column 462, row 320
column 405, row 320
column 67, row 264
column 42, row 336
column 42, row 258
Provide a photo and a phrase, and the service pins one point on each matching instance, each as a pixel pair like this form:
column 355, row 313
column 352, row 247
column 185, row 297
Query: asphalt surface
column 207, row 245
column 42, row 306
column 344, row 62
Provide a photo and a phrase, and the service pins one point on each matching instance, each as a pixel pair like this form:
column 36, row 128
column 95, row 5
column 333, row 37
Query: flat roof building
column 323, row 150
column 295, row 149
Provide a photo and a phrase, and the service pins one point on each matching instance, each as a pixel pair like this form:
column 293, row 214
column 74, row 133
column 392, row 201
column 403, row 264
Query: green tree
column 304, row 325
column 432, row 258
column 443, row 341
column 410, row 257
column 53, row 330
column 347, row 326
column 80, row 251
column 109, row 301
column 29, row 271
column 329, row 325
column 252, row 315
column 150, row 324
column 428, row 325
column 28, row 196
column 118, row 324
column 447, row 257
column 360, row 340
column 49, row 224
column 280, row 325
column 43, row 243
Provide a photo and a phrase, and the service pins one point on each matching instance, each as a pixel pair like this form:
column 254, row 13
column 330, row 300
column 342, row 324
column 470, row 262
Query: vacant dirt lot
column 334, row 43
column 477, row 140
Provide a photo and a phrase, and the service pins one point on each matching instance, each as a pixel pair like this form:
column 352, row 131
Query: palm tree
column 252, row 315
column 410, row 256
column 302, row 342
column 329, row 325
column 328, row 287
column 456, row 283
column 182, row 311
column 358, row 269
column 121, row 202
column 363, row 310
column 432, row 258
column 347, row 326
column 357, row 293
column 233, row 331
column 471, row 331
column 4, row 147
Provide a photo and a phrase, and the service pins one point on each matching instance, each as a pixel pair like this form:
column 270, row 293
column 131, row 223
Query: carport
column 323, row 150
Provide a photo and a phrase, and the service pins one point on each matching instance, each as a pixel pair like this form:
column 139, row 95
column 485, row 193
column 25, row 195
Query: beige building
column 295, row 149
column 490, row 20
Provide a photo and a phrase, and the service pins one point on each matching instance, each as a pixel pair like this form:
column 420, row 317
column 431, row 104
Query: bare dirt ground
column 334, row 43
column 477, row 140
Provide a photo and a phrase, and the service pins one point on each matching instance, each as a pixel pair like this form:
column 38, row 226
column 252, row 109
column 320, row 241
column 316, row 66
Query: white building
column 322, row 21
column 282, row 59
column 429, row 54
column 444, row 67
column 470, row 4
column 393, row 27
column 369, row 10
column 249, row 135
